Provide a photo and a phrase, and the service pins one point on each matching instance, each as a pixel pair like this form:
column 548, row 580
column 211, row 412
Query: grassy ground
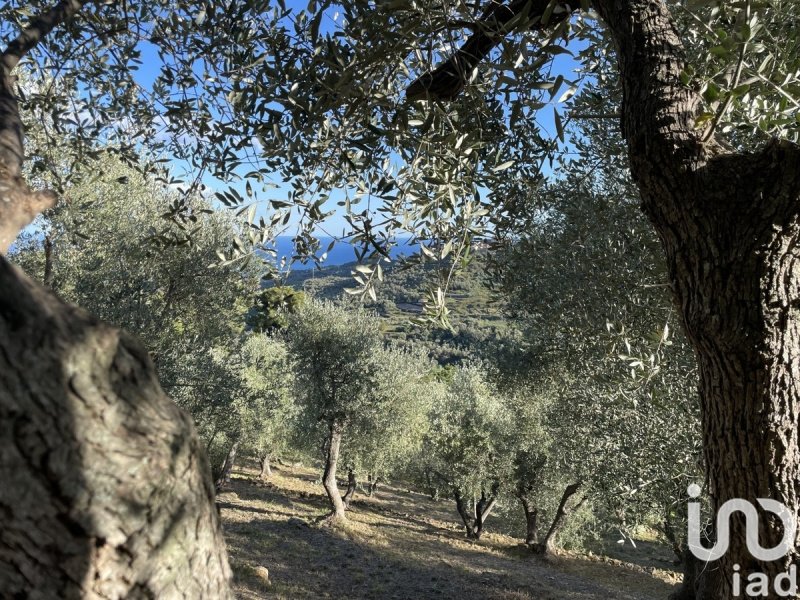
column 398, row 545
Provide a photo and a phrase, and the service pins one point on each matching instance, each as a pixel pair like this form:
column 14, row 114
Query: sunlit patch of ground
column 397, row 545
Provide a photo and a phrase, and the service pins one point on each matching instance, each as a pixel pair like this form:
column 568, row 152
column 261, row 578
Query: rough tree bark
column 729, row 226
column 329, row 475
column 350, row 492
column 106, row 489
column 224, row 478
column 564, row 510
column 729, row 223
column 467, row 515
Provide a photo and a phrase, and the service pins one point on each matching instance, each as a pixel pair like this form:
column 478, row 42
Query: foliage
column 382, row 442
column 266, row 408
column 599, row 333
column 466, row 447
column 332, row 351
column 273, row 307
column 106, row 258
column 475, row 312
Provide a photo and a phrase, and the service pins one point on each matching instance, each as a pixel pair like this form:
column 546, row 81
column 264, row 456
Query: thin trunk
column 124, row 503
column 18, row 204
column 211, row 441
column 47, row 280
column 350, row 493
column 224, row 478
column 548, row 546
column 531, row 521
column 266, row 469
column 329, row 475
column 483, row 509
column 372, row 485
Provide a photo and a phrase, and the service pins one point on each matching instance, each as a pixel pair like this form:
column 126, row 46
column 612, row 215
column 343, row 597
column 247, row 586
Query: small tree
column 539, row 475
column 336, row 371
column 269, row 415
column 384, row 440
column 466, row 447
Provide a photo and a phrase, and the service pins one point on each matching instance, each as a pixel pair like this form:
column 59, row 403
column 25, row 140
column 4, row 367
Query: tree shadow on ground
column 381, row 553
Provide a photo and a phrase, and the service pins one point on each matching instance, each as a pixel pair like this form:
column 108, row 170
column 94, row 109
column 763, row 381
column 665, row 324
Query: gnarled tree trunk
column 329, row 474
column 474, row 518
column 729, row 226
column 564, row 510
column 106, row 489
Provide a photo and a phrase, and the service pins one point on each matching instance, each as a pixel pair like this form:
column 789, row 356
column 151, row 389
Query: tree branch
column 37, row 29
column 498, row 20
column 18, row 205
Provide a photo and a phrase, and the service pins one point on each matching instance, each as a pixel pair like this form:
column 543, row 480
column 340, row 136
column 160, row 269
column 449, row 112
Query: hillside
column 476, row 314
column 400, row 545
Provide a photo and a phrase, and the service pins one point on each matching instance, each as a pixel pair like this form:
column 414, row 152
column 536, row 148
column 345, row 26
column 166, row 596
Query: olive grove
column 422, row 118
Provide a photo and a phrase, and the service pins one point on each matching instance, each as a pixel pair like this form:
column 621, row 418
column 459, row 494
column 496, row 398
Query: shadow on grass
column 313, row 562
column 387, row 550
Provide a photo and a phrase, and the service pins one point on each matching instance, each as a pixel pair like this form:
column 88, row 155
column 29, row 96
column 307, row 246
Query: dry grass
column 397, row 545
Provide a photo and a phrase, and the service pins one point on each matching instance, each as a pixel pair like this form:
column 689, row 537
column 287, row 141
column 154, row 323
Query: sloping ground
column 398, row 545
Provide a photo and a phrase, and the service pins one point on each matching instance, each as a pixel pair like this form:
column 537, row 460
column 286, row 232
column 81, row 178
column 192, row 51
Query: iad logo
column 751, row 527
column 758, row 584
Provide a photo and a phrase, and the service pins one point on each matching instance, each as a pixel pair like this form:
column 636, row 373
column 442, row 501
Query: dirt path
column 398, row 545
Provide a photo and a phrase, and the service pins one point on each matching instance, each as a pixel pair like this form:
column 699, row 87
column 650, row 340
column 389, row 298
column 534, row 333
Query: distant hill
column 476, row 313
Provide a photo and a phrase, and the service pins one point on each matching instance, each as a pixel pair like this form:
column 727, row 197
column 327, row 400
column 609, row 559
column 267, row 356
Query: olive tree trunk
column 106, row 488
column 106, row 491
column 729, row 226
column 350, row 492
column 564, row 510
column 372, row 485
column 329, row 474
column 225, row 471
column 474, row 517
column 265, row 471
column 531, row 521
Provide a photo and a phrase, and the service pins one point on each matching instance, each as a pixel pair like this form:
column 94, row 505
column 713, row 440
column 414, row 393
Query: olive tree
column 727, row 219
column 595, row 304
column 271, row 410
column 466, row 448
column 383, row 440
column 703, row 91
column 333, row 352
